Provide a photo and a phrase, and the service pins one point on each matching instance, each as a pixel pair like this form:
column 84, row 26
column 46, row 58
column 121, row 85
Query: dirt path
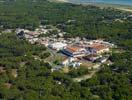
column 88, row 76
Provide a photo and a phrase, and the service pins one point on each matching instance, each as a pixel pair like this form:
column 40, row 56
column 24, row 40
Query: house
column 97, row 48
column 103, row 59
column 66, row 61
column 57, row 45
column 60, row 34
column 18, row 30
column 32, row 34
column 70, row 61
column 45, row 43
column 76, row 64
column 74, row 51
column 91, row 57
column 108, row 44
column 33, row 40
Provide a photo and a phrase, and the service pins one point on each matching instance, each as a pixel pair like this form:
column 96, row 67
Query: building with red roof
column 98, row 48
column 74, row 51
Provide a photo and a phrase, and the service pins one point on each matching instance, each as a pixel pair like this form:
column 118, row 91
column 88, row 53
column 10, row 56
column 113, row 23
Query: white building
column 33, row 40
column 76, row 64
column 67, row 60
column 57, row 45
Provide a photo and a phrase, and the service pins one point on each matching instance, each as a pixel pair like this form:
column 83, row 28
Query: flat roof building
column 57, row 45
column 98, row 48
column 74, row 51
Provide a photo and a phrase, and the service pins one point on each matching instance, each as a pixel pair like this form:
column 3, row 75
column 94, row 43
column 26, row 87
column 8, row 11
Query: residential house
column 92, row 57
column 66, row 61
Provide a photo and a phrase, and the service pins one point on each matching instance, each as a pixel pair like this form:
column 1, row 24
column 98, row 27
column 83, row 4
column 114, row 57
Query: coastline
column 126, row 8
column 60, row 1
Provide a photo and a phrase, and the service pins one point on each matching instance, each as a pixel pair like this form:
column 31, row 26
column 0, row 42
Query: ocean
column 121, row 2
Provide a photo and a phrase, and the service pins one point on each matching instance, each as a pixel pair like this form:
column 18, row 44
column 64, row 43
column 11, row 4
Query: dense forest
column 77, row 20
column 34, row 79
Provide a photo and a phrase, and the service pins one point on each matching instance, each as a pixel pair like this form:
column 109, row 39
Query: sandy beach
column 58, row 1
column 125, row 9
column 116, row 6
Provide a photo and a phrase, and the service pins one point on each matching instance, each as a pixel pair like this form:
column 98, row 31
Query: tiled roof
column 73, row 49
column 33, row 33
column 98, row 46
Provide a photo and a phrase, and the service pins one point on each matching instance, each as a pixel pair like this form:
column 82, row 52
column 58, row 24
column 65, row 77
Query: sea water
column 121, row 2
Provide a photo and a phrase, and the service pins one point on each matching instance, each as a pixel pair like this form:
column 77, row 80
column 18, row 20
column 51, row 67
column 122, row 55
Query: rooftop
column 73, row 49
column 98, row 46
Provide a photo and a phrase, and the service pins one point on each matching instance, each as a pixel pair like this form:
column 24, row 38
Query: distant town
column 52, row 50
column 69, row 52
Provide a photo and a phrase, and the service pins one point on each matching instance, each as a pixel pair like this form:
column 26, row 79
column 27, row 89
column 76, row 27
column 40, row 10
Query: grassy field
column 87, row 65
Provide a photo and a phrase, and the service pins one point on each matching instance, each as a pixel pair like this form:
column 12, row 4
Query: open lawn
column 87, row 64
column 65, row 70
